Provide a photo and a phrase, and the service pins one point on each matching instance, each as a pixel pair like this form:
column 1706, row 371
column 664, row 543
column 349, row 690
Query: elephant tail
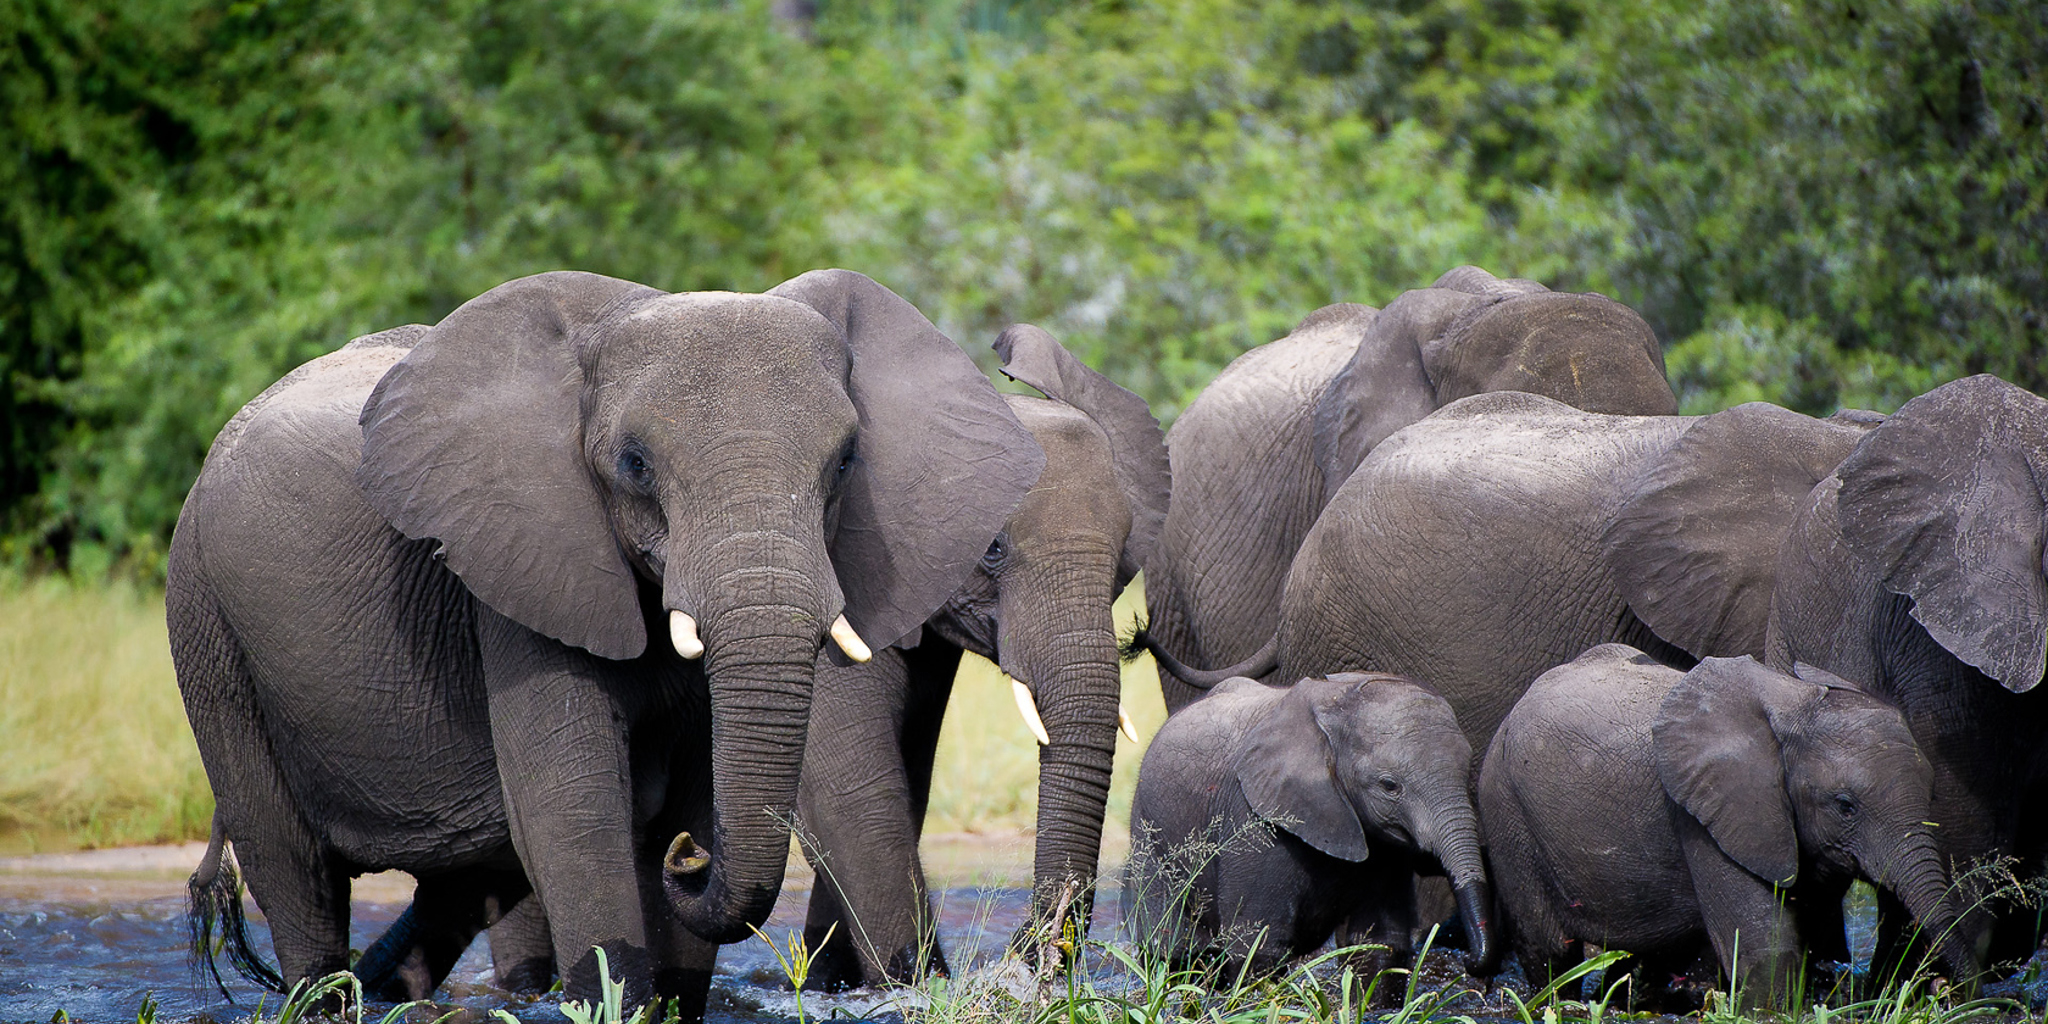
column 214, row 898
column 1262, row 661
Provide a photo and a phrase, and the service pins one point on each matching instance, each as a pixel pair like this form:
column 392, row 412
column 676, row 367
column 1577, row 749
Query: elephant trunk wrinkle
column 1915, row 876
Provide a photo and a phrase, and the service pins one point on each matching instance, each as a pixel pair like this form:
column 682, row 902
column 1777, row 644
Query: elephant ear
column 1137, row 445
column 1584, row 350
column 1944, row 500
column 1476, row 281
column 1288, row 772
column 1694, row 549
column 475, row 439
column 1718, row 757
column 1384, row 387
column 940, row 462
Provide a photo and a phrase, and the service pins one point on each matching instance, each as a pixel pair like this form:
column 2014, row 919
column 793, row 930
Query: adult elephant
column 1916, row 569
column 1258, row 454
column 1038, row 605
column 411, row 593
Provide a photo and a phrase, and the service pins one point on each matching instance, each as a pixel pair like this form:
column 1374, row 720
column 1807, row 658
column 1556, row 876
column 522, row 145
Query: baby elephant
column 1636, row 807
column 1338, row 767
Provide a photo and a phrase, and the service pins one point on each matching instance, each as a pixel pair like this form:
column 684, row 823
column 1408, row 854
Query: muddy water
column 94, row 935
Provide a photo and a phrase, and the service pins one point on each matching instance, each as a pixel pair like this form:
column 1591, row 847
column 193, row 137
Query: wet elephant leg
column 411, row 959
column 523, row 950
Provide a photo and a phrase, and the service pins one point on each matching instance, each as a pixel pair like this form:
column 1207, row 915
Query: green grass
column 99, row 753
column 97, row 749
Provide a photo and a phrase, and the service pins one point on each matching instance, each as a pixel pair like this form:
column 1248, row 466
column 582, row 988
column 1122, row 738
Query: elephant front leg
column 523, row 949
column 859, row 823
column 1754, row 929
column 560, row 735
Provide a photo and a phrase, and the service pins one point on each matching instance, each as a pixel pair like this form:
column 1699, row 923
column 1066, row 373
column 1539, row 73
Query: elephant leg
column 1755, row 934
column 523, row 950
column 413, row 956
column 1383, row 914
column 302, row 891
column 683, row 960
column 859, row 827
column 559, row 733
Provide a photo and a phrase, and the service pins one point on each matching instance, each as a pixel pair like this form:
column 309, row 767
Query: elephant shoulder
column 317, row 402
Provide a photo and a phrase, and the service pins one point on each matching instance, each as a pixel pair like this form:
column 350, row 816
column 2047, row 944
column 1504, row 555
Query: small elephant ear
column 1694, row 549
column 475, row 438
column 1718, row 757
column 1944, row 500
column 1584, row 350
column 1384, row 387
column 940, row 461
column 1289, row 777
column 1137, row 445
column 1476, row 281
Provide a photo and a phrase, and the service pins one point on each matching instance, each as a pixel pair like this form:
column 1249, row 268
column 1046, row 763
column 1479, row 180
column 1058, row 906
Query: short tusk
column 1029, row 709
column 685, row 857
column 682, row 632
column 1124, row 723
column 849, row 641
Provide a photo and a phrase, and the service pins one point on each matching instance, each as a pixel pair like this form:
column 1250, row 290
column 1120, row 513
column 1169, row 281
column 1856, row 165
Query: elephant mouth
column 682, row 635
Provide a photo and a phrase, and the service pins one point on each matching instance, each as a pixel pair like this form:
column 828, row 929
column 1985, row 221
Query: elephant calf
column 1335, row 765
column 1636, row 807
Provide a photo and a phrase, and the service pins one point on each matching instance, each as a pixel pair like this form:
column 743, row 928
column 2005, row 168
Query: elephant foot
column 687, row 992
column 628, row 966
column 528, row 977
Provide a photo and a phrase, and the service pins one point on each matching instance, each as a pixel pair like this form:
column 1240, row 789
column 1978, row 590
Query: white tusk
column 1029, row 709
column 682, row 632
column 850, row 641
column 1123, row 722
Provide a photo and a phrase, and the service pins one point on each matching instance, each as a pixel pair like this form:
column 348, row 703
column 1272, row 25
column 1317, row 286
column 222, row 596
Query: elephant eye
column 1845, row 805
column 633, row 466
column 1390, row 785
column 998, row 550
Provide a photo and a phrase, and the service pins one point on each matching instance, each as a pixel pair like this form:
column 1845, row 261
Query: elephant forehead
column 760, row 333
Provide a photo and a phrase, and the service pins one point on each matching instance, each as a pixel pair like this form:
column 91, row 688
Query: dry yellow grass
column 98, row 753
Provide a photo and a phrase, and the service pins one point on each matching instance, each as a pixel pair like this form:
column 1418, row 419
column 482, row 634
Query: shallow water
column 98, row 960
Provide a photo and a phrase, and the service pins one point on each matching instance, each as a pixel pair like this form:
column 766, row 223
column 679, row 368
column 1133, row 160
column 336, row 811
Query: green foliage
column 1816, row 204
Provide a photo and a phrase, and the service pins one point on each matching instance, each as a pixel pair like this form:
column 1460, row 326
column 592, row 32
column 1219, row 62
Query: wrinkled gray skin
column 1917, row 571
column 1635, row 807
column 1260, row 452
column 1366, row 779
column 420, row 599
column 1508, row 533
column 1038, row 605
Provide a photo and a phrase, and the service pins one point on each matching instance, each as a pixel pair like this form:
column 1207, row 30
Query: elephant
column 1038, row 605
column 1916, row 570
column 411, row 592
column 1636, row 807
column 1265, row 446
column 1257, row 806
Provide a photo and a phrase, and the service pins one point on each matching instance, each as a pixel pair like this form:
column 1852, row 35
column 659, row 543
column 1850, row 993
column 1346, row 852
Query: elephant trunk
column 1451, row 834
column 1058, row 637
column 1916, row 876
column 760, row 674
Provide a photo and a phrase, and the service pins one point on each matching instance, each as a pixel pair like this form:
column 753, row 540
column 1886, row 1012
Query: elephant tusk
column 850, row 641
column 1124, row 723
column 682, row 632
column 1029, row 709
column 685, row 857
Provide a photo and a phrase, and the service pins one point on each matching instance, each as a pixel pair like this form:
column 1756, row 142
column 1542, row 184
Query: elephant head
column 1359, row 758
column 1791, row 775
column 1471, row 333
column 1038, row 604
column 598, row 458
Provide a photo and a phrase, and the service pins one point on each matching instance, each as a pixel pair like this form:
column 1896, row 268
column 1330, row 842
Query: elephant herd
column 1450, row 584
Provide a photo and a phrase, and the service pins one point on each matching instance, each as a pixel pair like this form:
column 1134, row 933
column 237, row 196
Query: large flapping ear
column 1476, row 281
column 1137, row 445
column 940, row 461
column 1944, row 500
column 1384, row 387
column 475, row 439
column 1718, row 757
column 1694, row 549
column 1288, row 772
column 1584, row 350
